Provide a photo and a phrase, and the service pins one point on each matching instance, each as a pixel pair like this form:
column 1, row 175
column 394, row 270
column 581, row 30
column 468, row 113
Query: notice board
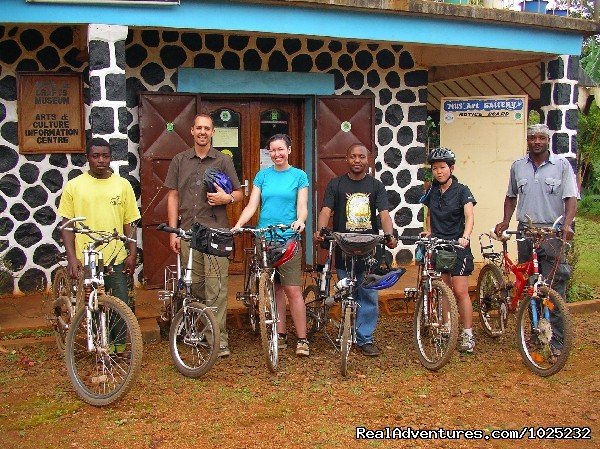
column 50, row 113
column 487, row 134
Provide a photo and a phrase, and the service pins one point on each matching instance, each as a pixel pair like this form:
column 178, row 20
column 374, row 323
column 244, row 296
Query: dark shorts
column 290, row 273
column 464, row 262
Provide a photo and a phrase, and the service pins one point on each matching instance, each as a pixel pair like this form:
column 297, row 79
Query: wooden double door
column 242, row 127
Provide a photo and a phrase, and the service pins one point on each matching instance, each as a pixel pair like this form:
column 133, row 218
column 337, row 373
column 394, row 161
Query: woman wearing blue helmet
column 450, row 216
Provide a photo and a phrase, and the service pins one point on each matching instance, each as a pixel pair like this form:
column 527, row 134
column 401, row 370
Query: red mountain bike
column 544, row 333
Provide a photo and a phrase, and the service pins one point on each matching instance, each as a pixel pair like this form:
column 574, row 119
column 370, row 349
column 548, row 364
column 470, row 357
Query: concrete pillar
column 558, row 100
column 109, row 116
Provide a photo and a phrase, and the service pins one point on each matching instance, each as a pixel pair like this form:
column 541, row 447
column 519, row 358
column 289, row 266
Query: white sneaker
column 302, row 348
column 467, row 343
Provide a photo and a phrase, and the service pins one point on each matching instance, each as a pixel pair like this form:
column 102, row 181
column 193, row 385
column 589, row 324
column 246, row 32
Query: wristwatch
column 232, row 199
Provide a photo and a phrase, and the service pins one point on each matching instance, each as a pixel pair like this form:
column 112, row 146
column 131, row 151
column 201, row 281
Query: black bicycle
column 194, row 333
column 319, row 299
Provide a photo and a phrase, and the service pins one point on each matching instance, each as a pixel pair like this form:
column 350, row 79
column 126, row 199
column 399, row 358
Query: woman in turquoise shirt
column 281, row 191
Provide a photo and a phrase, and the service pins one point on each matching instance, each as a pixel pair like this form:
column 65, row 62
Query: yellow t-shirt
column 107, row 204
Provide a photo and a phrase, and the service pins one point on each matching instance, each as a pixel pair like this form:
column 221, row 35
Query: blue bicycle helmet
column 213, row 176
column 376, row 282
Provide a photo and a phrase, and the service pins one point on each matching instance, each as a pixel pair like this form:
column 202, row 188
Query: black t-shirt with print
column 446, row 211
column 355, row 205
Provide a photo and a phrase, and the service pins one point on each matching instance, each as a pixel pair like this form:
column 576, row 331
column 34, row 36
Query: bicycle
column 103, row 346
column 259, row 291
column 435, row 320
column 67, row 298
column 541, row 311
column 318, row 298
column 194, row 333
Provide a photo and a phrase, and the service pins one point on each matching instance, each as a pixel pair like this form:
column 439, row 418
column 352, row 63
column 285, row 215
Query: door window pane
column 272, row 121
column 227, row 137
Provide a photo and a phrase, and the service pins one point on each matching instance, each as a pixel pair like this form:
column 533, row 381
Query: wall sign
column 50, row 107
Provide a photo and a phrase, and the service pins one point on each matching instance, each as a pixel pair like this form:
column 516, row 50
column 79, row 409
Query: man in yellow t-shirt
column 107, row 202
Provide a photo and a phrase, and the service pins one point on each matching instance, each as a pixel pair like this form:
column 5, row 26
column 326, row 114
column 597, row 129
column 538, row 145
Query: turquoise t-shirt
column 279, row 195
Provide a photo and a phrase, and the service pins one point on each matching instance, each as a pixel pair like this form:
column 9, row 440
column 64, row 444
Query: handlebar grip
column 163, row 227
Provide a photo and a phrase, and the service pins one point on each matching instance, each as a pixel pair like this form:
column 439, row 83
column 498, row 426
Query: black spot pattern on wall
column 8, row 159
column 278, row 62
column 394, row 115
column 364, row 59
column 27, row 65
column 230, row 61
column 403, row 217
column 33, row 280
column 335, row 46
column 99, row 55
column 214, row 42
column 16, row 258
column 313, row 45
column 323, row 61
column 373, row 78
column 172, row 56
column 6, row 225
column 416, row 156
column 125, row 119
column 19, row 212
column 192, row 41
column 45, row 255
column 355, row 80
column 78, row 159
column 403, row 178
column 134, row 134
column 386, row 59
column 416, row 78
column 153, row 73
column 2, row 112
column 135, row 55
column 394, row 199
column 28, row 173
column 252, row 60
column 31, row 39
column 35, row 196
column 45, row 216
column 385, row 96
column 9, row 185
column 413, row 194
column 384, row 136
column 8, row 88
column 393, row 157
column 52, row 179
column 387, row 178
column 27, row 234
column 62, row 37
column 302, row 63
column 406, row 61
column 9, row 132
column 405, row 136
column 9, row 52
column 170, row 36
column 237, row 42
column 292, row 46
column 204, row 61
column 345, row 62
column 150, row 38
column 404, row 257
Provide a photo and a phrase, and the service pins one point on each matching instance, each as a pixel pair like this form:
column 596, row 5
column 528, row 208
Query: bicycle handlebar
column 429, row 240
column 185, row 235
column 280, row 227
column 99, row 237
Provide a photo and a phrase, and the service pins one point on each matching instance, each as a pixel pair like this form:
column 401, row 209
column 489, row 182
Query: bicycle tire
column 63, row 315
column 492, row 300
column 267, row 313
column 253, row 309
column 64, row 285
column 442, row 340
column 100, row 377
column 314, row 310
column 535, row 344
column 194, row 353
column 346, row 340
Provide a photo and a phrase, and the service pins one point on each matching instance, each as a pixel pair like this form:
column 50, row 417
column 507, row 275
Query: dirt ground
column 239, row 404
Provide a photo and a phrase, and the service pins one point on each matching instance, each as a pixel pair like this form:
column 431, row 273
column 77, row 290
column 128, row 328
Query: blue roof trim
column 209, row 81
column 246, row 17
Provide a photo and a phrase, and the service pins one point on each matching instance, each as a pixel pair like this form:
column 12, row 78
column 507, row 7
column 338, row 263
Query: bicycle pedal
column 165, row 295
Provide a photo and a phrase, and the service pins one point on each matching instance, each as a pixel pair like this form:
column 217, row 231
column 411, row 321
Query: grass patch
column 26, row 333
column 31, row 414
column 587, row 269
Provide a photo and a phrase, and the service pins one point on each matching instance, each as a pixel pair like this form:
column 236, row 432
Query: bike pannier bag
column 215, row 242
column 444, row 260
column 353, row 244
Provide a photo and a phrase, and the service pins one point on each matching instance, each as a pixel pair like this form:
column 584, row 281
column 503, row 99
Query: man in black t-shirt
column 354, row 199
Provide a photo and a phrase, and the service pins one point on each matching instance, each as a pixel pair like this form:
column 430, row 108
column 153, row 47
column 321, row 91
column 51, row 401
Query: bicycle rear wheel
column 194, row 340
column 492, row 300
column 314, row 310
column 105, row 373
column 346, row 339
column 267, row 313
column 436, row 329
column 63, row 313
column 544, row 332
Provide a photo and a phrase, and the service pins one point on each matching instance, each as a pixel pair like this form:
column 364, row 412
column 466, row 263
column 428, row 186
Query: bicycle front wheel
column 544, row 332
column 346, row 339
column 194, row 340
column 103, row 353
column 436, row 326
column 492, row 300
column 267, row 313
